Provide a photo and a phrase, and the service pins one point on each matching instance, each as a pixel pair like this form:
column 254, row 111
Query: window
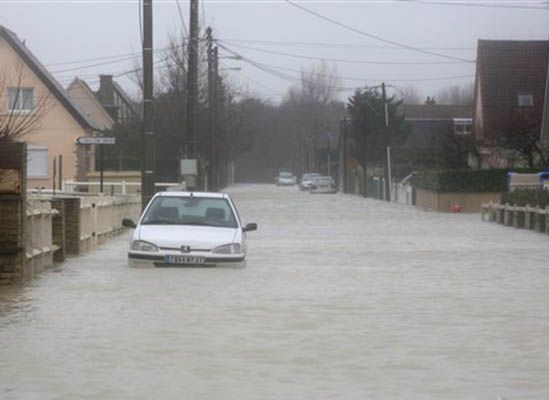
column 463, row 126
column 20, row 99
column 172, row 210
column 37, row 161
column 525, row 100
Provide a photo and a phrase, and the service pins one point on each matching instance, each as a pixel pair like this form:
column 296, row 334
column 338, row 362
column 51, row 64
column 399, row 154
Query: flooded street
column 342, row 297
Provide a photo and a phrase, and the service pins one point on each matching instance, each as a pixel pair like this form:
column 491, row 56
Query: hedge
column 492, row 180
column 522, row 197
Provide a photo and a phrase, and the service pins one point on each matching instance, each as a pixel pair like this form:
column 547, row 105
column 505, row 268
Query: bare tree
column 409, row 95
column 457, row 95
column 18, row 119
column 16, row 122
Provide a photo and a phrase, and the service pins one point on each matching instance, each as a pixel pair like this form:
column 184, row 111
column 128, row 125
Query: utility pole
column 212, row 89
column 192, row 84
column 147, row 135
column 215, row 90
column 545, row 115
column 388, row 183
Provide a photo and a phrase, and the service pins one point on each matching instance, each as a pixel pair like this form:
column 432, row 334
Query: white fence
column 532, row 218
column 39, row 248
column 121, row 187
column 101, row 217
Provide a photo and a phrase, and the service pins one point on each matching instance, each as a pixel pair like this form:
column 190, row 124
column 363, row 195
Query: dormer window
column 525, row 100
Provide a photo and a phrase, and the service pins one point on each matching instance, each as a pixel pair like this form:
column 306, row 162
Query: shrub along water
column 522, row 197
column 451, row 181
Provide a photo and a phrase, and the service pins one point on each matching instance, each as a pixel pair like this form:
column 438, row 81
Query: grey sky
column 64, row 31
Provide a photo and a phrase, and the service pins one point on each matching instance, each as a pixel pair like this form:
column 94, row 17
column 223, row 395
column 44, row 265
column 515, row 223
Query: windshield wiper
column 159, row 222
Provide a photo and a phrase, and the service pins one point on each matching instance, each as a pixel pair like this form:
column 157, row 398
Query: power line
column 347, row 78
column 339, row 60
column 336, row 45
column 486, row 5
column 376, row 37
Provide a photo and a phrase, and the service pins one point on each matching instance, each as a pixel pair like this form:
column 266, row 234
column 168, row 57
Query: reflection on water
column 342, row 297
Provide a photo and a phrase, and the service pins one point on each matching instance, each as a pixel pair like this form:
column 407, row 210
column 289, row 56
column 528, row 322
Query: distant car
column 286, row 179
column 188, row 228
column 323, row 184
column 307, row 180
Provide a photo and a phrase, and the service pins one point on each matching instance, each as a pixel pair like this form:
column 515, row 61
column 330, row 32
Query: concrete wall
column 469, row 202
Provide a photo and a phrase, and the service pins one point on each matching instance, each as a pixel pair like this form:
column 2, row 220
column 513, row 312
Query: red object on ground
column 455, row 208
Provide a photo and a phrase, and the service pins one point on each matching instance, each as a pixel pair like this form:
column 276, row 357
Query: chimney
column 105, row 95
column 430, row 101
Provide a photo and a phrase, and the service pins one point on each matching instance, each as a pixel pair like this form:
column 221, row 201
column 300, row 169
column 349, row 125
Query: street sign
column 95, row 140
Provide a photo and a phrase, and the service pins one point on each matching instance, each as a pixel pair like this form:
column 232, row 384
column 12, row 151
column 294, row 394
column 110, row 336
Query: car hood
column 197, row 237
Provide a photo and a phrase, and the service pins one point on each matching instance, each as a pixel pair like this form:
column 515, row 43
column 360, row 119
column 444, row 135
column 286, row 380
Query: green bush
column 523, row 197
column 493, row 180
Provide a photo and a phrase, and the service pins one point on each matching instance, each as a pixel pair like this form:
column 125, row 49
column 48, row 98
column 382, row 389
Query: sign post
column 97, row 140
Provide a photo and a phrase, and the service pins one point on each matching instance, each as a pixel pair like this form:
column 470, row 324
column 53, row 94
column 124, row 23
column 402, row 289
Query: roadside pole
column 147, row 137
column 388, row 182
column 192, row 89
column 60, row 171
column 101, row 168
column 54, row 173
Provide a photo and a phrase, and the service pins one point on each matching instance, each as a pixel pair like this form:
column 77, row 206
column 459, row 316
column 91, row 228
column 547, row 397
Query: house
column 509, row 91
column 433, row 130
column 115, row 100
column 81, row 94
column 28, row 90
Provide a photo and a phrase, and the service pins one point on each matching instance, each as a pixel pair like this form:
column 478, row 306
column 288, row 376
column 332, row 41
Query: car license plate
column 185, row 260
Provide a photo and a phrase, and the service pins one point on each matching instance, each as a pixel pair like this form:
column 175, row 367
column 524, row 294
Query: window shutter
column 37, row 162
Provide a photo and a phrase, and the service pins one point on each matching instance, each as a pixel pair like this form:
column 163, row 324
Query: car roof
column 210, row 195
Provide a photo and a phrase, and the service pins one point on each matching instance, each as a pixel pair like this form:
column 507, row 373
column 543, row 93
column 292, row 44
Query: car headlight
column 141, row 245
column 233, row 248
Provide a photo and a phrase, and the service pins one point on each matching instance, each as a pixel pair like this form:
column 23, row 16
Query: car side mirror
column 128, row 223
column 250, row 227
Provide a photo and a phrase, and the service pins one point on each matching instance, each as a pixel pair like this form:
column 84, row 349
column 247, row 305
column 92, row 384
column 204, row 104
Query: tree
column 457, row 95
column 312, row 110
column 15, row 122
column 366, row 110
column 410, row 95
column 524, row 140
column 21, row 117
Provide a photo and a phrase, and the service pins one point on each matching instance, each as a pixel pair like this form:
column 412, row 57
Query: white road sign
column 95, row 140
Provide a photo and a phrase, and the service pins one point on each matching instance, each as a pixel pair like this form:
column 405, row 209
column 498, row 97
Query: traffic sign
column 95, row 140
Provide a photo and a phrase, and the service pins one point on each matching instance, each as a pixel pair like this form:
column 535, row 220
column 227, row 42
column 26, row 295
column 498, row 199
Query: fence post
column 124, row 187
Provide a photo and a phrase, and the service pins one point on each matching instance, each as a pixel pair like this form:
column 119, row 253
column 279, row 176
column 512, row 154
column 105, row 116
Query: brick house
column 432, row 130
column 509, row 93
column 26, row 87
column 82, row 94
column 115, row 100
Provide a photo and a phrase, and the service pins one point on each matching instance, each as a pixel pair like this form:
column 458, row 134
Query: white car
column 307, row 180
column 188, row 228
column 286, row 179
column 323, row 184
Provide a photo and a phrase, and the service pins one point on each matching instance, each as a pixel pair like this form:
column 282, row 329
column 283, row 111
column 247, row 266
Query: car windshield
column 201, row 211
column 323, row 180
column 285, row 175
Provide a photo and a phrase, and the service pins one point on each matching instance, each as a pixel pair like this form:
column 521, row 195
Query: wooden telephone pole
column 192, row 84
column 213, row 61
column 147, row 136
column 388, row 182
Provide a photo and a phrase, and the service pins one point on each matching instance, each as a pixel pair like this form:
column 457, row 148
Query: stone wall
column 13, row 158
